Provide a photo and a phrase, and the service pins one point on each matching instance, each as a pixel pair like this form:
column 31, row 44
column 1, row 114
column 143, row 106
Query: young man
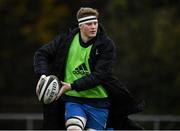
column 83, row 60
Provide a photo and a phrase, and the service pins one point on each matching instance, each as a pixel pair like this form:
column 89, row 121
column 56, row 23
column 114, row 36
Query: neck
column 84, row 38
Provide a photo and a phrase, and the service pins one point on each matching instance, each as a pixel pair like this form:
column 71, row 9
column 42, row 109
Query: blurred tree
column 25, row 26
column 146, row 34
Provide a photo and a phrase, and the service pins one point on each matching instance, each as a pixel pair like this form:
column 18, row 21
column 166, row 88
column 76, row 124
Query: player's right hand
column 39, row 84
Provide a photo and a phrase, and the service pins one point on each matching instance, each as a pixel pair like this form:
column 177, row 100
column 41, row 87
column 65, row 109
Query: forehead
column 89, row 23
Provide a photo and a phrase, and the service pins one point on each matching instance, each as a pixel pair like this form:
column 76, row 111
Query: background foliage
column 146, row 33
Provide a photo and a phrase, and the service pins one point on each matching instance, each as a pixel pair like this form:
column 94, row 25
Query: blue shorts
column 96, row 117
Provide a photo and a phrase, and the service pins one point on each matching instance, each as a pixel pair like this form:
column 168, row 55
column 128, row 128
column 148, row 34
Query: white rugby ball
column 48, row 89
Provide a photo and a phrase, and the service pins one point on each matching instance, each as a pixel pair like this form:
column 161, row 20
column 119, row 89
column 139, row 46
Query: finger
column 37, row 92
column 60, row 93
column 58, row 96
column 63, row 83
column 37, row 87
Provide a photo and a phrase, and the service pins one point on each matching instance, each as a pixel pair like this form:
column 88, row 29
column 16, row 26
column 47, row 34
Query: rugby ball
column 48, row 88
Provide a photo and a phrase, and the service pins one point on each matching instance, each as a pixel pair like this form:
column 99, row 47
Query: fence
column 156, row 119
column 30, row 118
column 27, row 117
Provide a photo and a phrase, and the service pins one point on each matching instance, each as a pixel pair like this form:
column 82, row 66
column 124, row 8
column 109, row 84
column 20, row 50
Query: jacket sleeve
column 102, row 69
column 44, row 55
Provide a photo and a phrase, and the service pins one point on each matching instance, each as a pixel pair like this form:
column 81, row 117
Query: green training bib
column 77, row 66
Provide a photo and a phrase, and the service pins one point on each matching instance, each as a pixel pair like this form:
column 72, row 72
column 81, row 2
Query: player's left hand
column 65, row 87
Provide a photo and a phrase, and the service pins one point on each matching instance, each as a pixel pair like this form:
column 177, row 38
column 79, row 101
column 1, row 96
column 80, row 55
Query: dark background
column 146, row 33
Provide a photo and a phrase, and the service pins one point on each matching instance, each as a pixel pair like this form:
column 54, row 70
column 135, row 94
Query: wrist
column 72, row 86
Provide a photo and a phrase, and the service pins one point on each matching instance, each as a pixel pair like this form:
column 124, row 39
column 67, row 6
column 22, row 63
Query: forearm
column 90, row 81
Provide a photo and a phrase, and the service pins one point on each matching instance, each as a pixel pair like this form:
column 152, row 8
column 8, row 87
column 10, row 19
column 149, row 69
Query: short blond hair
column 87, row 11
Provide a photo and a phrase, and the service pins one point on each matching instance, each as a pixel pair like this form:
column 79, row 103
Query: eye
column 95, row 23
column 91, row 23
column 88, row 24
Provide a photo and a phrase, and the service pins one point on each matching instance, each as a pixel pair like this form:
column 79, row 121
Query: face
column 89, row 30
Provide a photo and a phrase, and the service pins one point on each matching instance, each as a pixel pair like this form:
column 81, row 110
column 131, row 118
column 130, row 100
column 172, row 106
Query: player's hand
column 65, row 87
column 39, row 84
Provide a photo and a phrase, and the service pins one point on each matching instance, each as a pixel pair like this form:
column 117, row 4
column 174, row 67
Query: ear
column 80, row 26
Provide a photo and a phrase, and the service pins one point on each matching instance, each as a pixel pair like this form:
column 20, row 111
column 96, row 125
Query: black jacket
column 51, row 59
